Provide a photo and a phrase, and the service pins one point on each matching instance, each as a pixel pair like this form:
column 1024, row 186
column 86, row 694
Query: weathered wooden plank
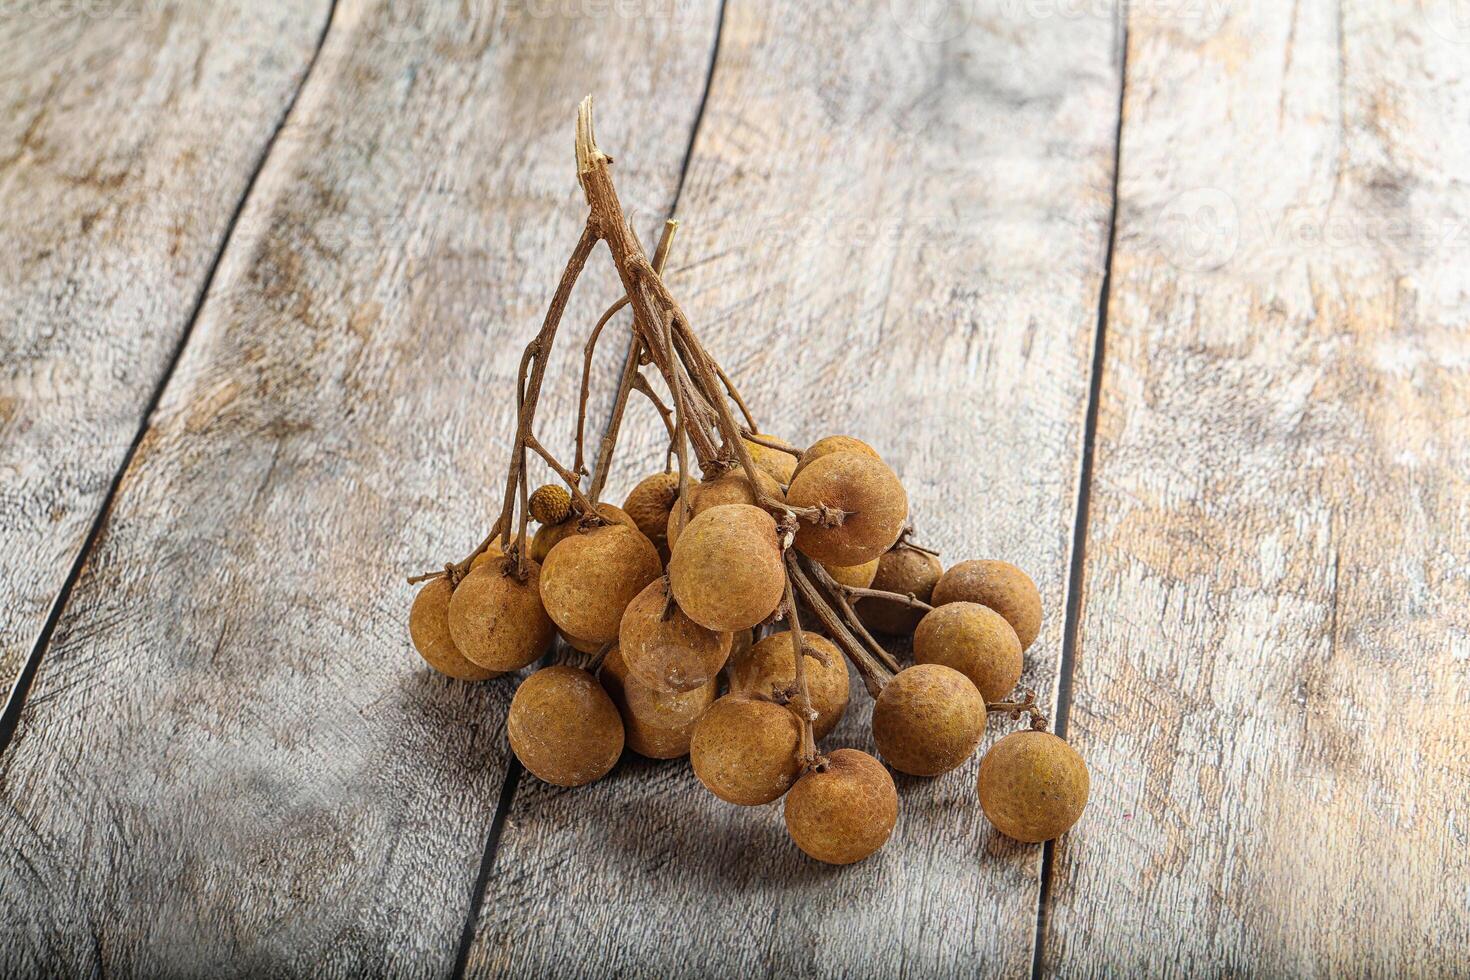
column 129, row 133
column 899, row 237
column 232, row 760
column 1271, row 683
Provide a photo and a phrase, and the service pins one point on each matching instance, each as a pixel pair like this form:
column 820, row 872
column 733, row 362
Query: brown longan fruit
column 1033, row 786
column 779, row 464
column 550, row 504
column 870, row 494
column 492, row 550
column 548, row 536
column 726, row 571
column 731, row 488
column 649, row 504
column 744, row 750
column 829, row 446
column 999, row 585
column 976, row 641
column 498, row 621
column 657, row 724
column 664, row 648
column 563, row 727
column 844, row 811
column 578, row 644
column 928, row 720
column 590, row 577
column 905, row 571
column 428, row 626
column 856, row 576
column 769, row 666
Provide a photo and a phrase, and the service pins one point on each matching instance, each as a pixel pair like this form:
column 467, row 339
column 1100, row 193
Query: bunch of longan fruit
column 718, row 615
column 680, row 604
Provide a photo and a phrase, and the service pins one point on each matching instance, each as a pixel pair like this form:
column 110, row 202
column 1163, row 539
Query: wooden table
column 1169, row 307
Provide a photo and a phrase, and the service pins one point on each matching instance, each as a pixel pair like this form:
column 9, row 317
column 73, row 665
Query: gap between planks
column 20, row 691
column 1073, row 608
column 514, row 768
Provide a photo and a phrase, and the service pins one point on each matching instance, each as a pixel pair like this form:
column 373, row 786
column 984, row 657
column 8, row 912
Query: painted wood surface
column 895, row 232
column 129, row 133
column 1271, row 684
column 232, row 760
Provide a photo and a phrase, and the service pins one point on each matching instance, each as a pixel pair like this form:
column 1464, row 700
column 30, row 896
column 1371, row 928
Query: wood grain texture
column 1271, row 683
column 129, row 132
column 900, row 238
column 232, row 759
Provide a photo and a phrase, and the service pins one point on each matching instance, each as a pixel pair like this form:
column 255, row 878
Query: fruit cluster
column 766, row 578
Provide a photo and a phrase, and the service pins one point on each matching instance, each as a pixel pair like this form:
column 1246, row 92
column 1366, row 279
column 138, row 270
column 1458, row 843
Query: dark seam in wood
column 514, row 768
column 1071, row 624
column 19, row 692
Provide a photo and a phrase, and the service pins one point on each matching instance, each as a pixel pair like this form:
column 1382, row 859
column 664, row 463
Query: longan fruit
column 649, row 504
column 578, row 644
column 549, row 535
column 726, row 571
column 498, row 621
column 856, row 576
column 744, row 750
column 905, row 571
column 590, row 577
column 830, row 445
column 550, row 504
column 563, row 727
column 928, row 720
column 845, row 811
column 492, row 550
column 731, row 488
column 673, row 652
column 870, row 494
column 999, row 585
column 428, row 626
column 769, row 666
column 976, row 641
column 1033, row 786
column 780, row 465
column 657, row 724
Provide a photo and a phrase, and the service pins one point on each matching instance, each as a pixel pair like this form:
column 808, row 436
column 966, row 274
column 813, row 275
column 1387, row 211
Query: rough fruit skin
column 905, row 571
column 563, row 727
column 732, row 488
column 589, row 579
column 498, row 621
column 928, row 720
column 867, row 490
column 976, row 641
column 726, row 570
column 744, row 750
column 649, row 503
column 548, row 536
column 657, row 724
column 831, row 445
column 672, row 653
column 769, row 665
column 428, row 625
column 857, row 576
column 1033, row 786
column 999, row 585
column 550, row 504
column 845, row 813
column 781, row 466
